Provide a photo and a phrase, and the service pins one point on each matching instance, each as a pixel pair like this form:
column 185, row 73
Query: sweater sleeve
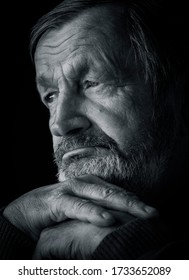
column 139, row 239
column 14, row 244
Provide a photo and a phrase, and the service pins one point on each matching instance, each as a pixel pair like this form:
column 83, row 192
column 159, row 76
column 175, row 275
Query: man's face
column 100, row 108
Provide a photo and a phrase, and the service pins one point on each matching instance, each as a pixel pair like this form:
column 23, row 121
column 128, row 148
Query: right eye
column 50, row 97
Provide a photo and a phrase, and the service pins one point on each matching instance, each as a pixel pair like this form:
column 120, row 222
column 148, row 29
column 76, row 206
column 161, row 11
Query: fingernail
column 151, row 210
column 107, row 216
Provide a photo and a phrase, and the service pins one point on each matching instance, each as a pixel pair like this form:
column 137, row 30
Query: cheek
column 56, row 141
column 52, row 113
column 115, row 119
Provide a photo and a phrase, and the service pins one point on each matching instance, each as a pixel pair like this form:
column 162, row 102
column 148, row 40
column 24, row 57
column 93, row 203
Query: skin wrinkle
column 61, row 51
column 76, row 71
column 109, row 62
column 65, row 41
column 44, row 77
column 59, row 44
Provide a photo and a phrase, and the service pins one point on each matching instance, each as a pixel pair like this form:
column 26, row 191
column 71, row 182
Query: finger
column 126, row 202
column 111, row 196
column 84, row 210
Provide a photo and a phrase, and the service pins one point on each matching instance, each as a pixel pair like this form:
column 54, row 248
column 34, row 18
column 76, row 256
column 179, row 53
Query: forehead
column 94, row 29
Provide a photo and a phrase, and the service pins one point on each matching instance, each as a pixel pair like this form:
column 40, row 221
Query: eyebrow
column 45, row 81
column 42, row 80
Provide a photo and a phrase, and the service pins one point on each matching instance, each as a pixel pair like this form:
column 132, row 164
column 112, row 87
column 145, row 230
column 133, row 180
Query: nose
column 67, row 117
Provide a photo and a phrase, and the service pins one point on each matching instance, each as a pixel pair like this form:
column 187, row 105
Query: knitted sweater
column 139, row 239
column 14, row 244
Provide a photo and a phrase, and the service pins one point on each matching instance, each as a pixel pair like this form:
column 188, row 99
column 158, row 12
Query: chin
column 141, row 179
column 104, row 167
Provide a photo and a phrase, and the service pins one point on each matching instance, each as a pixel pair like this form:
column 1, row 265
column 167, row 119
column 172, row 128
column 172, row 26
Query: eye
column 89, row 84
column 50, row 97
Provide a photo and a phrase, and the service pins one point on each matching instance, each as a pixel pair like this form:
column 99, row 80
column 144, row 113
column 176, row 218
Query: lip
column 80, row 151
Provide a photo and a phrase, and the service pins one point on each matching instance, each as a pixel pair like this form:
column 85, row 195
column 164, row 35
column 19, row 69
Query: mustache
column 73, row 142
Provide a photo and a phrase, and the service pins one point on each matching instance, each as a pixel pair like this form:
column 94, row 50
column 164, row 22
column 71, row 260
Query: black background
column 26, row 147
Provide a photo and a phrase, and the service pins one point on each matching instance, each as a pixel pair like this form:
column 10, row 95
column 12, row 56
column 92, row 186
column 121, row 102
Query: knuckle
column 85, row 207
column 109, row 193
column 132, row 201
column 93, row 190
column 81, row 204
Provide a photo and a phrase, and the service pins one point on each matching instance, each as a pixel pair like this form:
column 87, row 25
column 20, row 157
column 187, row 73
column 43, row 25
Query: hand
column 74, row 239
column 85, row 198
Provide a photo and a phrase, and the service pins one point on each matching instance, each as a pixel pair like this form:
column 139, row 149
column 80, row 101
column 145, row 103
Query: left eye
column 89, row 84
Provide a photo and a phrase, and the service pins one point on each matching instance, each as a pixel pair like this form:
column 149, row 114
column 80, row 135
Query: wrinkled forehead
column 95, row 28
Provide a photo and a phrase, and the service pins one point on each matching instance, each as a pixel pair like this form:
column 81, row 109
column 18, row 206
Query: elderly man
column 113, row 82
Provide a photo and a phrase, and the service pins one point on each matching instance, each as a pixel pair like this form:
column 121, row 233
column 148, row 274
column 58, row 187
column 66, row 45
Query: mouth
column 84, row 152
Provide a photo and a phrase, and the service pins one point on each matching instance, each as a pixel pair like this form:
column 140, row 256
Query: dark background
column 26, row 147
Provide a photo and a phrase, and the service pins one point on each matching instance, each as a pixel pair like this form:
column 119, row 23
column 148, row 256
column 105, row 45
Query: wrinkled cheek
column 114, row 125
column 115, row 118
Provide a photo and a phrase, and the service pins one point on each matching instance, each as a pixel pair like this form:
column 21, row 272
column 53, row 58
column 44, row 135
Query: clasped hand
column 70, row 219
